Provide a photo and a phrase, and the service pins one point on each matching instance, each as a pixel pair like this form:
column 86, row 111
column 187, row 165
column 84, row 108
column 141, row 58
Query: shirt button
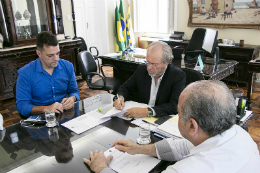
column 52, row 87
column 53, row 96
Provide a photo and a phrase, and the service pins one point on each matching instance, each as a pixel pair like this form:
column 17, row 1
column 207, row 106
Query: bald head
column 211, row 104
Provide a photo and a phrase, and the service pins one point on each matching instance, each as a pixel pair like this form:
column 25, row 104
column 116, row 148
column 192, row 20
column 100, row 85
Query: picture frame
column 224, row 14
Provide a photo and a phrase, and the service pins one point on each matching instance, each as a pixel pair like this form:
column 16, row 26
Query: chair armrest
column 115, row 75
column 96, row 50
column 102, row 77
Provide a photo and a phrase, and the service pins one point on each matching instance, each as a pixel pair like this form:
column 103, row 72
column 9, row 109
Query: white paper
column 120, row 113
column 85, row 122
column 138, row 121
column 209, row 40
column 220, row 44
column 126, row 163
column 1, row 122
column 247, row 115
column 170, row 128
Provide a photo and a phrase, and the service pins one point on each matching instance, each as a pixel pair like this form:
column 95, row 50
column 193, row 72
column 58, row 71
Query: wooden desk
column 253, row 67
column 241, row 54
column 127, row 66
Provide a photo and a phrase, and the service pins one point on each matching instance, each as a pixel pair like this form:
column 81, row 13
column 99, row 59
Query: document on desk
column 120, row 113
column 85, row 122
column 126, row 163
column 170, row 128
column 138, row 121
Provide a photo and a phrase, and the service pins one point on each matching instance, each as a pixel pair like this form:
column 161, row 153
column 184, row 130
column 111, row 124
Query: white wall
column 68, row 24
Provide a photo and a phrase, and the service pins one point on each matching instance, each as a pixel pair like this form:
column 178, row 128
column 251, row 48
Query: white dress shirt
column 154, row 91
column 232, row 151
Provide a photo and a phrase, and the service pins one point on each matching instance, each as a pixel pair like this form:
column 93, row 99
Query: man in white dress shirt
column 213, row 142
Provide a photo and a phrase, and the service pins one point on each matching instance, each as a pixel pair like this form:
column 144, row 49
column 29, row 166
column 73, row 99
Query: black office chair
column 177, row 52
column 84, row 47
column 192, row 75
column 194, row 47
column 14, row 93
column 88, row 69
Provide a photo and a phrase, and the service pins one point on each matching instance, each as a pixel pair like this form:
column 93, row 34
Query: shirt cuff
column 108, row 170
column 76, row 95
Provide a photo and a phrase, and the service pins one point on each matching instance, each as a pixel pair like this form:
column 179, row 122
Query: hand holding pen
column 119, row 103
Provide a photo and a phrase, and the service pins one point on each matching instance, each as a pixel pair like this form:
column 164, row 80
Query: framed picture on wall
column 224, row 13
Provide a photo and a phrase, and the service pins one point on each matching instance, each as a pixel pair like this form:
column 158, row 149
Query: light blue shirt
column 36, row 87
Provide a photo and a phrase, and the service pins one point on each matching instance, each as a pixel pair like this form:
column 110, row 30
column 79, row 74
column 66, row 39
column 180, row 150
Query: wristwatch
column 115, row 98
column 150, row 112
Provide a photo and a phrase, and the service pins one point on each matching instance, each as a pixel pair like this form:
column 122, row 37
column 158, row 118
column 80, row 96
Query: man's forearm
column 147, row 150
column 38, row 109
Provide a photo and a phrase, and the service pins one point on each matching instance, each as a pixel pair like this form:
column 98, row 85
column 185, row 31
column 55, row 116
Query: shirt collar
column 215, row 141
column 161, row 76
column 39, row 67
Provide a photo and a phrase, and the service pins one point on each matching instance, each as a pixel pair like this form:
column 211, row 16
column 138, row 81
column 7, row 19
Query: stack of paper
column 120, row 113
column 169, row 128
column 85, row 122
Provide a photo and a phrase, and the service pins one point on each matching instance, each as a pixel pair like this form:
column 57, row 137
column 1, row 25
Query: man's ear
column 38, row 52
column 194, row 127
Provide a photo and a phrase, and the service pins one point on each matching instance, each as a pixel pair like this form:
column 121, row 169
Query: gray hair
column 164, row 47
column 211, row 104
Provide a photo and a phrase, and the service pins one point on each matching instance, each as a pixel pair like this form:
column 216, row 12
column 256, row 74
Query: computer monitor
column 210, row 44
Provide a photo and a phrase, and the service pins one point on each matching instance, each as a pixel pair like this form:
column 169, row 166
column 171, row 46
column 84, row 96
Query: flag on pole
column 129, row 30
column 118, row 31
column 122, row 18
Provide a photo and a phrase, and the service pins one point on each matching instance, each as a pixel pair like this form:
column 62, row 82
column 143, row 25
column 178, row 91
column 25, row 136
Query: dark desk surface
column 128, row 65
column 31, row 150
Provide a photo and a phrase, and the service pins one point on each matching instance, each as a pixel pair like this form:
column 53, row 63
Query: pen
column 118, row 99
column 156, row 134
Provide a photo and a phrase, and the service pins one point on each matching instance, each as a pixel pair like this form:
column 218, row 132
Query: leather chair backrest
column 83, row 45
column 192, row 75
column 86, row 64
column 196, row 40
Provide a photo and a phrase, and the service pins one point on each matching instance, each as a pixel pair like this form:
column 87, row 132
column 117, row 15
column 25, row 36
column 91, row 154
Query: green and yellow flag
column 129, row 30
column 122, row 18
column 119, row 32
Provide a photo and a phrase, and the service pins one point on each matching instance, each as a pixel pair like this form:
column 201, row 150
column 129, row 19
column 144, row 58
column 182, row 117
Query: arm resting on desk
column 173, row 150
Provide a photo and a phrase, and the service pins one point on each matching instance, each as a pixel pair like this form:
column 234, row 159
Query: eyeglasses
column 155, row 65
